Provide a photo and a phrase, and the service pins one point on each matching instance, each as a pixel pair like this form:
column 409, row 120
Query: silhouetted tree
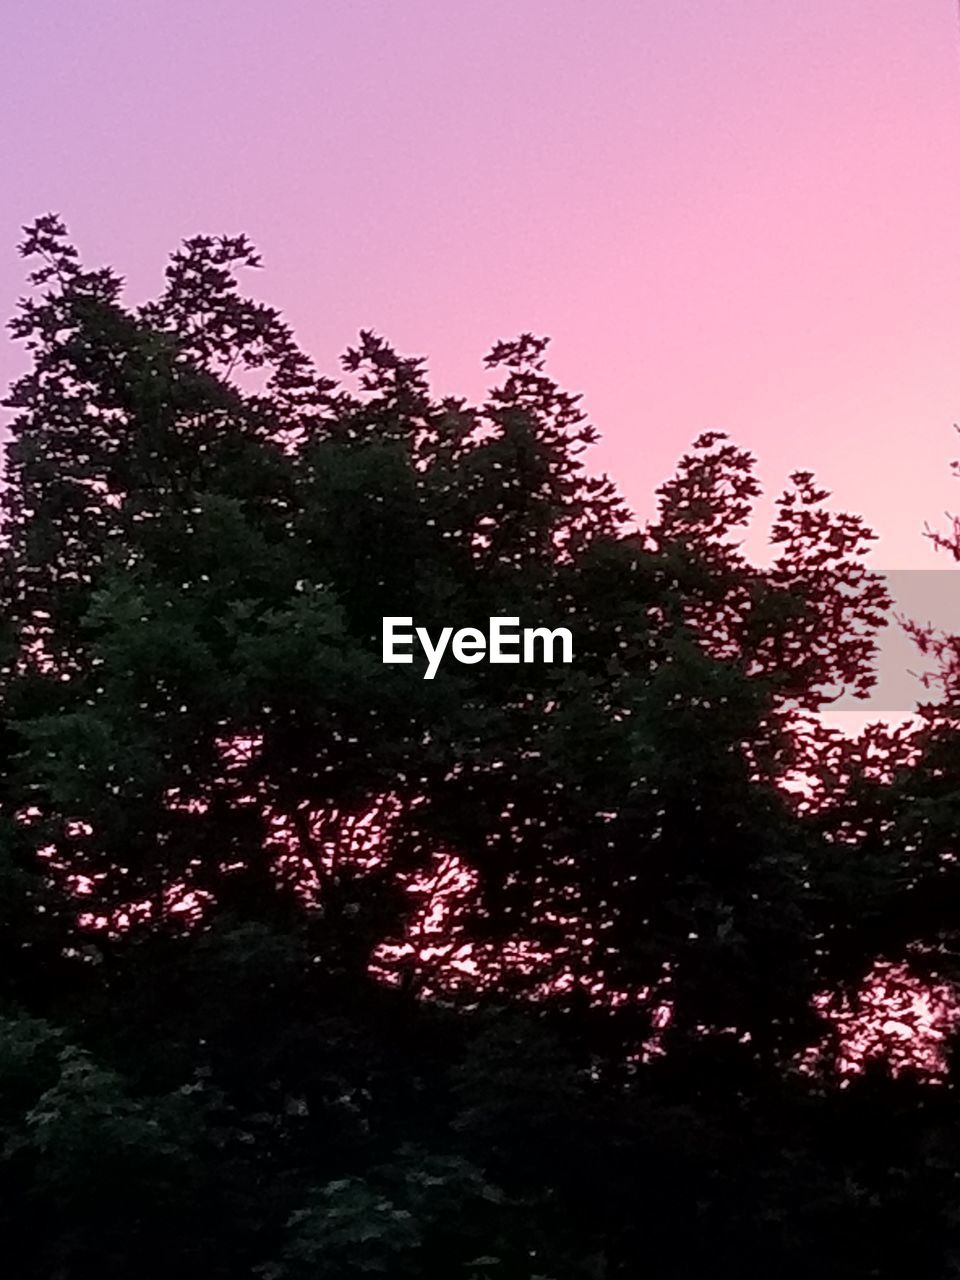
column 314, row 967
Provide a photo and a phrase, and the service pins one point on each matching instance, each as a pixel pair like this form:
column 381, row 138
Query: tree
column 341, row 970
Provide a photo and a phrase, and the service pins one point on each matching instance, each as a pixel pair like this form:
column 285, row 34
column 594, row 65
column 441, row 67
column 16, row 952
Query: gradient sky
column 734, row 214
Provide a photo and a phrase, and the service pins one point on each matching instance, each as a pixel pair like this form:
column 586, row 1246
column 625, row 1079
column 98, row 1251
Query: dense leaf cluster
column 314, row 968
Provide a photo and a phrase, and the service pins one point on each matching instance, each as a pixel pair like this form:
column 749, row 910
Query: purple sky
column 741, row 214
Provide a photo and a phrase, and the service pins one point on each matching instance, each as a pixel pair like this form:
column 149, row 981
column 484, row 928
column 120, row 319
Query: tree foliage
column 315, row 968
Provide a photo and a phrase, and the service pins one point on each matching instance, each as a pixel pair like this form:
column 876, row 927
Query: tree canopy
column 312, row 967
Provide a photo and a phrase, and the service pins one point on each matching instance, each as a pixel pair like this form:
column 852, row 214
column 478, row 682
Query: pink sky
column 735, row 214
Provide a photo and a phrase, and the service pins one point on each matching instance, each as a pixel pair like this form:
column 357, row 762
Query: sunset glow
column 731, row 214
